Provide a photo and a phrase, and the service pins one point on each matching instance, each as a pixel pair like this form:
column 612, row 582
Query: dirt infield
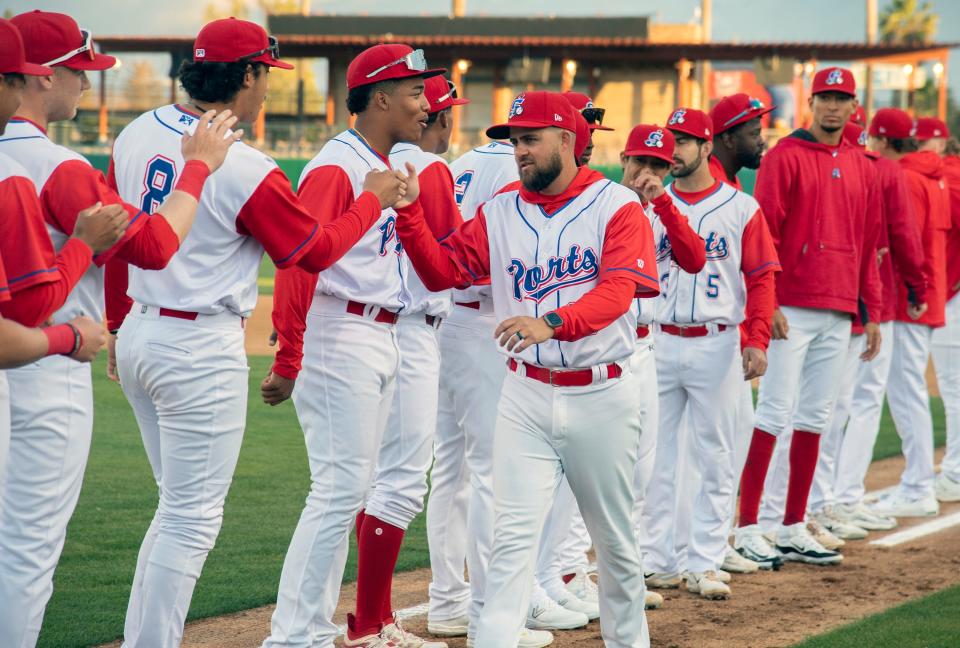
column 766, row 610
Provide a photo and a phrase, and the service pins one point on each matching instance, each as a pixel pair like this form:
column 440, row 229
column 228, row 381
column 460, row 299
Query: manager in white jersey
column 565, row 253
column 180, row 350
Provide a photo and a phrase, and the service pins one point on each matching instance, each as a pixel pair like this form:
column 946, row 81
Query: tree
column 903, row 22
column 144, row 87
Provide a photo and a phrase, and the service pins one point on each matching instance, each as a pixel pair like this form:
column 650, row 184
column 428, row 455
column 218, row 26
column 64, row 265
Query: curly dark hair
column 358, row 99
column 216, row 82
column 12, row 79
column 904, row 144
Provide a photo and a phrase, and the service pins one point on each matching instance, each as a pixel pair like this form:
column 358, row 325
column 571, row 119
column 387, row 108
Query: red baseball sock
column 804, row 451
column 359, row 524
column 754, row 474
column 568, row 577
column 377, row 554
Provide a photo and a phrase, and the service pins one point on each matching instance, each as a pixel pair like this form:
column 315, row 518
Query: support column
column 102, row 113
column 942, row 89
column 568, row 74
column 457, row 72
column 683, row 82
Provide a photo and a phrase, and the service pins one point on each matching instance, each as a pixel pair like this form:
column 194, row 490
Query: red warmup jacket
column 951, row 173
column 930, row 200
column 822, row 206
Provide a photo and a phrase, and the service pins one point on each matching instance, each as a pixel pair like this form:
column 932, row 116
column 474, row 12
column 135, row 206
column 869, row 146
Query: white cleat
column 547, row 614
column 663, row 580
column 395, row 633
column 750, row 543
column 527, row 639
column 708, row 585
column 861, row 516
column 652, row 600
column 734, row 563
column 456, row 627
column 946, row 489
column 839, row 527
column 584, row 587
column 823, row 535
column 896, row 505
column 795, row 542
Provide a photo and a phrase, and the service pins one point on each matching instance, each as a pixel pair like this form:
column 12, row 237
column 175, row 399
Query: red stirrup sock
column 376, row 558
column 804, row 451
column 754, row 474
column 359, row 524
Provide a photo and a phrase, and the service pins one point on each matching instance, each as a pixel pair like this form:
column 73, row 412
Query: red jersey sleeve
column 118, row 303
column 687, row 247
column 28, row 254
column 759, row 264
column 292, row 295
column 629, row 250
column 457, row 262
column 437, row 200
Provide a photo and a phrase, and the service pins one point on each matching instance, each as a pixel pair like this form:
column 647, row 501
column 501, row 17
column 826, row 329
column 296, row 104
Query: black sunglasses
column 593, row 115
column 273, row 47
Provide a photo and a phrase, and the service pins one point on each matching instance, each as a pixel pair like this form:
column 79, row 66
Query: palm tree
column 903, row 22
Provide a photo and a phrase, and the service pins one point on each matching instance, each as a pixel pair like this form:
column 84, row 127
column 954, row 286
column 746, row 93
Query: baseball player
column 180, row 350
column 567, row 328
column 739, row 144
column 945, row 346
column 583, row 104
column 907, row 394
column 697, row 370
column 847, row 446
column 349, row 340
column 819, row 197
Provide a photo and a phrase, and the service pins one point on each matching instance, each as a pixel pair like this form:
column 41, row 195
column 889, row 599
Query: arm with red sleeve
column 760, row 265
column 118, row 304
column 40, row 280
column 772, row 192
column 871, row 288
column 626, row 259
column 903, row 233
column 437, row 200
column 304, row 237
column 687, row 247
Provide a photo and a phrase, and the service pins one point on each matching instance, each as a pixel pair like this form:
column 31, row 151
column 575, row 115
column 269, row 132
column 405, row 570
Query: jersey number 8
column 157, row 183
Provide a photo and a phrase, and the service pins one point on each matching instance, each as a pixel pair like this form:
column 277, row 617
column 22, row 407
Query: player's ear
column 623, row 161
column 707, row 149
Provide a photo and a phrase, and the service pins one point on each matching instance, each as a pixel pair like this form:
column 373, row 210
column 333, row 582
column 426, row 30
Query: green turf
column 930, row 622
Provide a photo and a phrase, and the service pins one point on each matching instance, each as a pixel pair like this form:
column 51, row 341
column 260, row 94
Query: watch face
column 553, row 319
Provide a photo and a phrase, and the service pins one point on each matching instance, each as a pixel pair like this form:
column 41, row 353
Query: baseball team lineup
column 564, row 363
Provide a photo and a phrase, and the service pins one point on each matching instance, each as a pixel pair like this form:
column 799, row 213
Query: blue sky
column 737, row 20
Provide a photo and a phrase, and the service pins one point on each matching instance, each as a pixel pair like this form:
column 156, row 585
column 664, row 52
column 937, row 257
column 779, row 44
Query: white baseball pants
column 741, row 445
column 187, row 384
column 909, row 402
column 946, row 359
column 4, row 423
column 590, row 434
column 51, row 416
column 343, row 398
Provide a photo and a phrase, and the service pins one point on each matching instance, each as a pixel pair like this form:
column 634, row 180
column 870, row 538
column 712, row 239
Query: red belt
column 383, row 315
column 563, row 378
column 474, row 305
column 432, row 320
column 643, row 331
column 690, row 331
column 187, row 315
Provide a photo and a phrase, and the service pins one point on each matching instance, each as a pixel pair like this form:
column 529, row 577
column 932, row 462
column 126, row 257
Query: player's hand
column 387, row 186
column 916, row 311
column 754, row 363
column 275, row 389
column 272, row 340
column 648, row 185
column 413, row 188
column 780, row 327
column 872, row 330
column 93, row 335
column 101, row 226
column 211, row 140
column 532, row 330
column 112, row 358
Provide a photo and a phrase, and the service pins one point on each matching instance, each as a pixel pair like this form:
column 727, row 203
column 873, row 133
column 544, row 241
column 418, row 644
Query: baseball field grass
column 119, row 497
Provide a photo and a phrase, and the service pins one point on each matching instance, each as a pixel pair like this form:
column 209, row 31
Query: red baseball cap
column 893, row 123
column 539, row 109
column 584, row 105
column 441, row 94
column 388, row 61
column 12, row 57
column 650, row 140
column 834, row 79
column 859, row 117
column 55, row 39
column 931, row 127
column 583, row 136
column 690, row 121
column 855, row 135
column 229, row 40
column 736, row 109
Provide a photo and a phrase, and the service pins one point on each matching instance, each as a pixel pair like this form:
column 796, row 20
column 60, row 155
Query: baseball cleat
column 663, row 580
column 723, row 576
column 737, row 564
column 896, row 505
column 571, row 602
column 366, row 641
column 547, row 614
column 822, row 535
column 750, row 543
column 395, row 633
column 946, row 489
column 837, row 526
column 456, row 627
column 859, row 515
column 527, row 639
column 708, row 585
column 796, row 543
column 652, row 600
column 584, row 587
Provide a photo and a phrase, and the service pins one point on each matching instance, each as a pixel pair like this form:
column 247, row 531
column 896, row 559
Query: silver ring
column 518, row 335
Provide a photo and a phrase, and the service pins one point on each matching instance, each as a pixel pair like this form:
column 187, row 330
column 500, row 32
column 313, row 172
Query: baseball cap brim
column 759, row 112
column 83, row 62
column 502, row 131
column 596, row 127
column 837, row 90
column 31, row 69
column 266, row 59
column 645, row 152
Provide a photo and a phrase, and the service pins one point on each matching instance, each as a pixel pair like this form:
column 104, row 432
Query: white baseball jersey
column 717, row 294
column 416, row 294
column 25, row 142
column 245, row 206
column 374, row 270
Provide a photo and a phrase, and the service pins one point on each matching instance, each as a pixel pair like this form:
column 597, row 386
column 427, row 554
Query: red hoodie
column 822, row 205
column 951, row 173
column 930, row 200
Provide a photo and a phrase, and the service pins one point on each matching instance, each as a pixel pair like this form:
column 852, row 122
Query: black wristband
column 77, row 338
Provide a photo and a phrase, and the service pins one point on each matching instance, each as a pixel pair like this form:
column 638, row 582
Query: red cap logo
column 650, row 140
column 689, row 121
column 538, row 109
column 834, row 79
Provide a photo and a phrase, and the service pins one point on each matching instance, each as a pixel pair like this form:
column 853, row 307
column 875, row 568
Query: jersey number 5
column 157, row 183
column 713, row 288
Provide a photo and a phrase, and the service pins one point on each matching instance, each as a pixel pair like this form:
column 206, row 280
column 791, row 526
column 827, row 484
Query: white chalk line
column 933, row 526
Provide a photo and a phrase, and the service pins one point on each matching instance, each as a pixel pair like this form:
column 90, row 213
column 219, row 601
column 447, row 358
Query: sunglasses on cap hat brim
column 86, row 47
column 415, row 61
